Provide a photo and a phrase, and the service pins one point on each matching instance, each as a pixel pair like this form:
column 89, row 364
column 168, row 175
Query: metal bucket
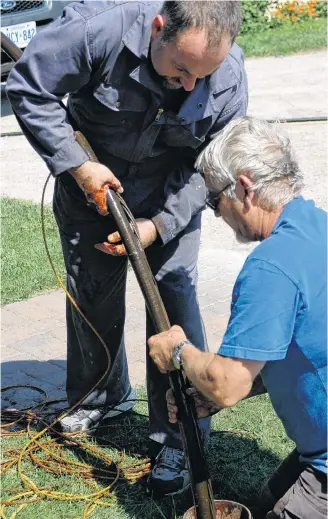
column 224, row 510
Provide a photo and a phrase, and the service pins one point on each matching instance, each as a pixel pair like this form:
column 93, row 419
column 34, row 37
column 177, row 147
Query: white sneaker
column 88, row 418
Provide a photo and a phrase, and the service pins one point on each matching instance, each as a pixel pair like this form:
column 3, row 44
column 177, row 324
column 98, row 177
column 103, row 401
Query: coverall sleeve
column 57, row 61
column 185, row 190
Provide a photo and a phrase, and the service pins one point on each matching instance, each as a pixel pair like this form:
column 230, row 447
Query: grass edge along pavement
column 247, row 442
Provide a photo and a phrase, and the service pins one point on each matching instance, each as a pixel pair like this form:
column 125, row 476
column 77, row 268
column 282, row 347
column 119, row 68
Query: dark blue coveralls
column 98, row 52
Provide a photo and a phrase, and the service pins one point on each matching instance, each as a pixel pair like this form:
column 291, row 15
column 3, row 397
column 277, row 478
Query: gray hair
column 217, row 18
column 257, row 149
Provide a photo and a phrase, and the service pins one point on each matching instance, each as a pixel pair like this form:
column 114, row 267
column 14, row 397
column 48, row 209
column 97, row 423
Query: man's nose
column 188, row 83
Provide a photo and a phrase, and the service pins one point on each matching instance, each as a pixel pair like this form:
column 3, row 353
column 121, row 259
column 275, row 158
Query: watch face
column 176, row 362
column 176, row 359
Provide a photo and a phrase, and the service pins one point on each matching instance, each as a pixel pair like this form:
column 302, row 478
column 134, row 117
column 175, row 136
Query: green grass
column 247, row 443
column 25, row 270
column 287, row 39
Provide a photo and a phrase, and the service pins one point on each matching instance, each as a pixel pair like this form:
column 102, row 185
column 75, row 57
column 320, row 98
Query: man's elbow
column 227, row 401
column 11, row 88
column 232, row 396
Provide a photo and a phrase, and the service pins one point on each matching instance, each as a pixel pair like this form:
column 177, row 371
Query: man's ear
column 246, row 183
column 157, row 26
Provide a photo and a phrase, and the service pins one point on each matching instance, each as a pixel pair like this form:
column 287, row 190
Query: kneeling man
column 278, row 316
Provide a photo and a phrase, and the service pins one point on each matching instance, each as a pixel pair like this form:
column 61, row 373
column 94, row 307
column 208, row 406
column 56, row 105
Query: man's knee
column 305, row 499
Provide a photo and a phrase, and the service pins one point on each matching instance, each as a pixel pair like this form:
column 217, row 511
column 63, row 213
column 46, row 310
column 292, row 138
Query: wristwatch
column 176, row 354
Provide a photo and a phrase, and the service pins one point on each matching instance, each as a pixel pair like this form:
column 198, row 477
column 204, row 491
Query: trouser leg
column 281, row 480
column 175, row 269
column 97, row 283
column 305, row 499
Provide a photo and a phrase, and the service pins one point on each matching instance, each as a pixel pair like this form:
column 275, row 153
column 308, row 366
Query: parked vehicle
column 21, row 20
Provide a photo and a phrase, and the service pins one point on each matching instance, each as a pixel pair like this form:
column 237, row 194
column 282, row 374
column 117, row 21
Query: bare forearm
column 223, row 380
column 197, row 366
column 214, row 376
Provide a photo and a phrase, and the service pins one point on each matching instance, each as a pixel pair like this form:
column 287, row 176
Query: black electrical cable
column 12, row 134
column 295, row 120
column 300, row 120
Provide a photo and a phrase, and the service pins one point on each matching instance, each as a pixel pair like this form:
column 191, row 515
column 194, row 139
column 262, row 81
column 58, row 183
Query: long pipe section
column 189, row 427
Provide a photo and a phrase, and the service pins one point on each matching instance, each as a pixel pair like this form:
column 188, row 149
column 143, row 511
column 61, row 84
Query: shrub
column 298, row 11
column 322, row 9
column 254, row 16
column 260, row 15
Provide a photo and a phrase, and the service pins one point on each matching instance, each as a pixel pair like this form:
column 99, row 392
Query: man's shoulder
column 301, row 227
column 297, row 246
column 235, row 59
column 131, row 9
column 108, row 24
column 231, row 72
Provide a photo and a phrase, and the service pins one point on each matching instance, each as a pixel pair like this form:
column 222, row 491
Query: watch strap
column 176, row 354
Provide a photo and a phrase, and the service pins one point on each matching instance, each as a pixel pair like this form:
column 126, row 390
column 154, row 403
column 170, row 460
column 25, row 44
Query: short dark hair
column 217, row 18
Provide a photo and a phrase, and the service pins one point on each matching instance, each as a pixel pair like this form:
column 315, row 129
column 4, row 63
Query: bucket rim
column 221, row 501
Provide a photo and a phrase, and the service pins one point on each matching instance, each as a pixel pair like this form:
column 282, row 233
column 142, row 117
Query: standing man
column 278, row 321
column 149, row 84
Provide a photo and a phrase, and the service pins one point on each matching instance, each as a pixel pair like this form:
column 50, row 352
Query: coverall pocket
column 121, row 99
column 180, row 136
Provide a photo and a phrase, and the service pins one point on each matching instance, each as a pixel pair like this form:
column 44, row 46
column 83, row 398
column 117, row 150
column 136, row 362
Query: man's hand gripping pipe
column 189, row 428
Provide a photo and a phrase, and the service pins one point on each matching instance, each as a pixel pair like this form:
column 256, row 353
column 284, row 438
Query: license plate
column 20, row 34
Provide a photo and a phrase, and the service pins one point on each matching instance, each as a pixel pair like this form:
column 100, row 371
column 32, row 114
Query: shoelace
column 82, row 413
column 171, row 457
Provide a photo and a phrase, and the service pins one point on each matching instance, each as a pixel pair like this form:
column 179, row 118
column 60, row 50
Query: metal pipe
column 300, row 120
column 189, row 427
column 296, row 120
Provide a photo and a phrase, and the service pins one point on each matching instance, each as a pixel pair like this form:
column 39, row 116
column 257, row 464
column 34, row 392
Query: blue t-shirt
column 279, row 315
